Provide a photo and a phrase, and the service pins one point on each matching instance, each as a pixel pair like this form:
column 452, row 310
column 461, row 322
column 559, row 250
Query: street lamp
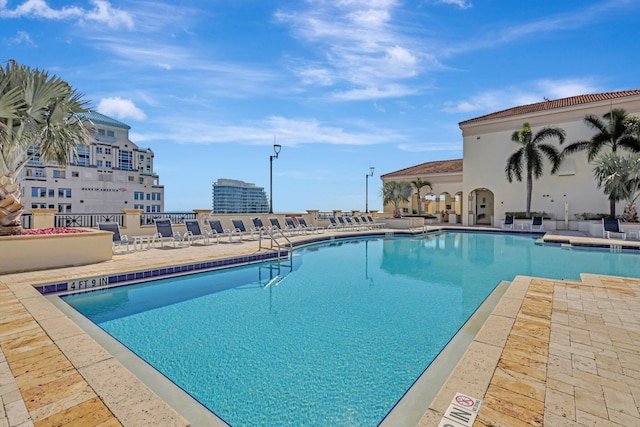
column 366, row 209
column 276, row 151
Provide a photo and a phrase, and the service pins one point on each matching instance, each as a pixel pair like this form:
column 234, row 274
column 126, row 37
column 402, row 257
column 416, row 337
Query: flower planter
column 41, row 252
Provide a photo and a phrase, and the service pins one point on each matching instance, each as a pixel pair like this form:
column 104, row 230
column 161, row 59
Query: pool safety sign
column 462, row 411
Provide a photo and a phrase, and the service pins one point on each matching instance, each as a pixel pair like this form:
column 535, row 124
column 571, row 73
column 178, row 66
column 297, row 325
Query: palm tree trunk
column 10, row 206
column 612, row 208
column 529, row 191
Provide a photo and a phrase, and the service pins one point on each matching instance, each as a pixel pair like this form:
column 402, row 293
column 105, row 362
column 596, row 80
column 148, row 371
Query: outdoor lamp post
column 366, row 209
column 276, row 151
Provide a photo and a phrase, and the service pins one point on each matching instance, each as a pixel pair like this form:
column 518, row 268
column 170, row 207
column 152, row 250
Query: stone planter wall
column 41, row 252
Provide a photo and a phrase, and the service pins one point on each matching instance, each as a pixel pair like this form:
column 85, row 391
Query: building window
column 37, row 206
column 98, row 150
column 141, row 157
column 155, row 208
column 99, row 163
column 130, row 178
column 110, row 133
column 155, row 196
column 125, row 160
column 107, row 163
column 38, row 192
column 148, row 196
column 107, row 150
column 75, row 174
column 141, row 207
column 64, row 193
column 100, row 131
column 82, row 158
column 138, row 195
column 52, row 192
column 141, row 180
column 64, row 208
column 59, row 174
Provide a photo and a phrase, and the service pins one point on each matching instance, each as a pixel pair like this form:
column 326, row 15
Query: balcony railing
column 87, row 220
column 175, row 217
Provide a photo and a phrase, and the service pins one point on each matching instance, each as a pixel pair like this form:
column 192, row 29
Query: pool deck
column 552, row 352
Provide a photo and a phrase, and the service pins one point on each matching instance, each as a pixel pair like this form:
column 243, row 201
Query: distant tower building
column 234, row 196
column 109, row 174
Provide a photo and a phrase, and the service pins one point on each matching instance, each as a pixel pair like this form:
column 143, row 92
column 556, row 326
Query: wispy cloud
column 527, row 93
column 462, row 4
column 120, row 108
column 21, row 38
column 290, row 132
column 101, row 12
column 358, row 45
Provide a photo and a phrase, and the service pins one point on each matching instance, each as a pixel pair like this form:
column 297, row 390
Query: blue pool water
column 341, row 338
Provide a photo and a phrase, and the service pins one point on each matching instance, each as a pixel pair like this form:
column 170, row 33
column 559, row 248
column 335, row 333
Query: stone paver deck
column 555, row 353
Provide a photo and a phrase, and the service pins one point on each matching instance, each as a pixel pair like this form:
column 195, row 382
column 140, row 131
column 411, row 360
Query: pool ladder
column 273, row 234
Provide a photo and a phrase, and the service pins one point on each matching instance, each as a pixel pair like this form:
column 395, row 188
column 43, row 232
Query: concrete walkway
column 554, row 353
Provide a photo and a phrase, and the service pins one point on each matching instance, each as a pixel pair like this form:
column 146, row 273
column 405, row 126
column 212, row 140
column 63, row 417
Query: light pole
column 276, row 151
column 366, row 209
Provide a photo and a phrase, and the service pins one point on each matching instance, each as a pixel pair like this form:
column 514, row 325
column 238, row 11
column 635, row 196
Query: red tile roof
column 553, row 104
column 429, row 168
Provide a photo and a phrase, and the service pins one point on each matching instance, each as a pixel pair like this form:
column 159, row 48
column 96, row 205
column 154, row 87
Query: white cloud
column 21, row 38
column 120, row 108
column 102, row 12
column 526, row 93
column 462, row 4
column 359, row 44
column 289, row 132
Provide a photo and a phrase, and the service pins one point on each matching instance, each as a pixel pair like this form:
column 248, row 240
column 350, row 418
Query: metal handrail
column 271, row 231
column 420, row 224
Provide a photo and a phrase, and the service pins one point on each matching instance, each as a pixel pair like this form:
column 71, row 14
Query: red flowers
column 57, row 230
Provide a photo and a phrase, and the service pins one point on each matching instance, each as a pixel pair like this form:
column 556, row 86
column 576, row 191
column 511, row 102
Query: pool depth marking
column 462, row 411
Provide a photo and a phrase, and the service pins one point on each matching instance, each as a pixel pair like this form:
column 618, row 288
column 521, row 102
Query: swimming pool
column 339, row 335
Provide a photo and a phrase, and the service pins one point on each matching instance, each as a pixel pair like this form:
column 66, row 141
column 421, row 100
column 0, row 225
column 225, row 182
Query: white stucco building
column 109, row 174
column 483, row 194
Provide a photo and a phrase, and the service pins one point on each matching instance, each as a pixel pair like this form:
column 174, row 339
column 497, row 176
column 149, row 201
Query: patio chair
column 376, row 224
column 343, row 223
column 371, row 222
column 611, row 226
column 351, row 224
column 291, row 225
column 334, row 225
column 537, row 223
column 508, row 222
column 165, row 233
column 239, row 227
column 363, row 225
column 118, row 239
column 194, row 232
column 217, row 230
column 275, row 225
column 258, row 225
column 306, row 227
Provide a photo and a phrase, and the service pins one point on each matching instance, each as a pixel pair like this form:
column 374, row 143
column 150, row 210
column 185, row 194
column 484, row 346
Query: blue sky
column 342, row 85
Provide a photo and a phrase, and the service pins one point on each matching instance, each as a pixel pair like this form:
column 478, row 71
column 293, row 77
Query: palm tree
column 620, row 178
column 418, row 184
column 38, row 119
column 530, row 155
column 617, row 132
column 395, row 192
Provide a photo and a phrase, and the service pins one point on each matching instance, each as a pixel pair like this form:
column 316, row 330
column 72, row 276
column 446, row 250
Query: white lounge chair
column 165, row 233
column 194, row 232
column 612, row 227
column 537, row 223
column 508, row 222
column 216, row 228
column 119, row 240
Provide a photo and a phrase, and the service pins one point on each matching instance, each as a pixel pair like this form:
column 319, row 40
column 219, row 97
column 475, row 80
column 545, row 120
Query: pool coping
column 33, row 302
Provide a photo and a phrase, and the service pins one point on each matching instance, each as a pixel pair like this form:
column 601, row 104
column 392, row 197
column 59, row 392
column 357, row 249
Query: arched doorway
column 481, row 206
column 445, row 206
